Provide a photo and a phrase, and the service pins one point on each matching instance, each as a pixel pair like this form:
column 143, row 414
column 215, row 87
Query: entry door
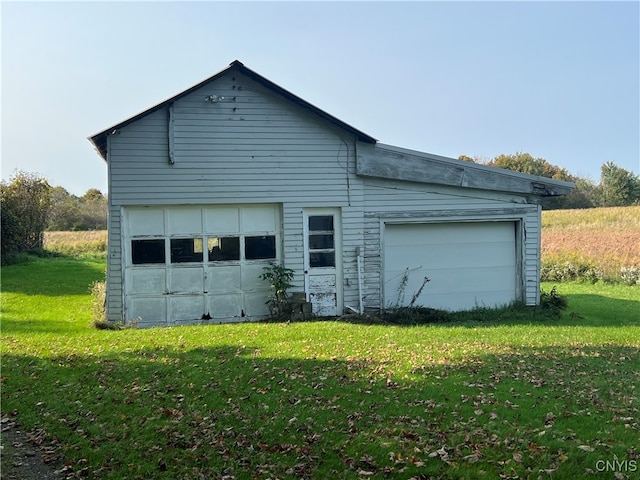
column 323, row 261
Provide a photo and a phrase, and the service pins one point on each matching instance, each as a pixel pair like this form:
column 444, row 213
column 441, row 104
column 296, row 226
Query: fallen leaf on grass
column 365, row 473
column 586, row 448
column 473, row 458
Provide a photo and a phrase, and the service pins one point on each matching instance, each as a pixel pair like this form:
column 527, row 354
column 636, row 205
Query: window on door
column 322, row 250
column 186, row 250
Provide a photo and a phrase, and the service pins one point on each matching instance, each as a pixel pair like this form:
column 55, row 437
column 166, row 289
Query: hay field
column 591, row 244
column 607, row 240
column 91, row 241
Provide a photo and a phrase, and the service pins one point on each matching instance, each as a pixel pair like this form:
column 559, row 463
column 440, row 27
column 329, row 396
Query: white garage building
column 211, row 185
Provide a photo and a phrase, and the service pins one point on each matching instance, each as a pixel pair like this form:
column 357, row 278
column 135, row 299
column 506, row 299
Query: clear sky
column 559, row 80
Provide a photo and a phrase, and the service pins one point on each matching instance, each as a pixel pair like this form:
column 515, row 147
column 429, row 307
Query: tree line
column 617, row 187
column 30, row 205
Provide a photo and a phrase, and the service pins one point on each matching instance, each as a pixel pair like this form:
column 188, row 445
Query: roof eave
column 395, row 163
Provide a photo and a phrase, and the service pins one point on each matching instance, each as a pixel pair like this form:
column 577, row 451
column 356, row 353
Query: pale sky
column 560, row 80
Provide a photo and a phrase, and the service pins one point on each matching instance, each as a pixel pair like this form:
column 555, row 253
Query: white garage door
column 198, row 264
column 468, row 264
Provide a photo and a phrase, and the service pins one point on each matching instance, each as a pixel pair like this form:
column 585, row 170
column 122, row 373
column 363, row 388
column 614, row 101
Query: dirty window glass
column 186, row 250
column 320, row 223
column 260, row 247
column 223, row 248
column 147, row 251
column 321, row 241
column 322, row 259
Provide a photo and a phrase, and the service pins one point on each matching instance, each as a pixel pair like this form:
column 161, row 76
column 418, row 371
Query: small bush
column 552, row 301
column 630, row 275
column 279, row 278
column 571, row 268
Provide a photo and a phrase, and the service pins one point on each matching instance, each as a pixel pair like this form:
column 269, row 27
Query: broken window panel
column 147, row 251
column 322, row 259
column 186, row 250
column 223, row 249
column 260, row 247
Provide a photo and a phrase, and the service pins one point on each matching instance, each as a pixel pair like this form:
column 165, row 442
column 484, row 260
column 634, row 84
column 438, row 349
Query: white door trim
column 336, row 271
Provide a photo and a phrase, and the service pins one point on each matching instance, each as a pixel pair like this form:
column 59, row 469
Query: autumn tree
column 25, row 202
column 617, row 187
column 526, row 163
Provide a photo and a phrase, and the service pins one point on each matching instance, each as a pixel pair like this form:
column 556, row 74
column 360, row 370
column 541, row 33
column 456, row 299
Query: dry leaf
column 586, row 448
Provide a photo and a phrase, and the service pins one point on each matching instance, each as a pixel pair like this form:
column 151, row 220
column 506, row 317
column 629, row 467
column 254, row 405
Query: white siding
column 114, row 305
column 532, row 245
column 387, row 200
column 255, row 149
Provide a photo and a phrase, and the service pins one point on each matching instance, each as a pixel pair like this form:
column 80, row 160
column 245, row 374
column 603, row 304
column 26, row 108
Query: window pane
column 186, row 250
column 321, row 241
column 321, row 222
column 322, row 259
column 147, row 251
column 223, row 248
column 256, row 248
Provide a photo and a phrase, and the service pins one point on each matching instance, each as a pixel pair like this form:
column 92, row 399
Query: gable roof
column 99, row 140
column 382, row 161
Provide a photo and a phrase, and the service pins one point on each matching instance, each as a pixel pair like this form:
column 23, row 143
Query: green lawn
column 493, row 399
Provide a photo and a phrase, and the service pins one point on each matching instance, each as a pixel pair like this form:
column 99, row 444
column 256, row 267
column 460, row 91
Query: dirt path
column 25, row 457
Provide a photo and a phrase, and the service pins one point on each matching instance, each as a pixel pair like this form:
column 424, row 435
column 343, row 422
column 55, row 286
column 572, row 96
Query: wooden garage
column 210, row 186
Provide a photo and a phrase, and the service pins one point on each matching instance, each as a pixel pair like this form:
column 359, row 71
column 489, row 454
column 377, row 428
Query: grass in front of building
column 321, row 399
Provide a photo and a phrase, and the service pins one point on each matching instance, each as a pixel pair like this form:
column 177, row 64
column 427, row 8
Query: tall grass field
column 592, row 244
column 526, row 397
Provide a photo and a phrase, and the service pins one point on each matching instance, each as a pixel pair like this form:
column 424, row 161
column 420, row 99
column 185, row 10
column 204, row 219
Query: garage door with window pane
column 468, row 264
column 193, row 264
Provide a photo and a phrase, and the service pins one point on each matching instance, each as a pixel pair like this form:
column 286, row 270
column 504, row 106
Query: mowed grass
column 606, row 238
column 330, row 399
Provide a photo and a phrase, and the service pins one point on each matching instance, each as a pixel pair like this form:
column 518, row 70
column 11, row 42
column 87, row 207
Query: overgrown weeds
column 98, row 306
column 552, row 304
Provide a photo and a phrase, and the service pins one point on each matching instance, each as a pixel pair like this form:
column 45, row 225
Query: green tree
column 619, row 187
column 25, row 202
column 69, row 212
column 65, row 210
column 94, row 209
